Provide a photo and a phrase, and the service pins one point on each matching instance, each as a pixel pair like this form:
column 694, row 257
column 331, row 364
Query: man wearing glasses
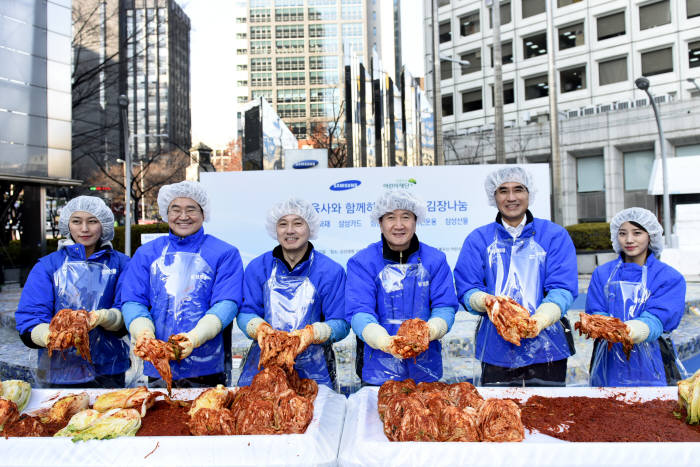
column 187, row 284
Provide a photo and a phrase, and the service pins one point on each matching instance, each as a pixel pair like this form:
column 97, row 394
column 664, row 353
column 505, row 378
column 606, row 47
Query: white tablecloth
column 318, row 446
column 364, row 442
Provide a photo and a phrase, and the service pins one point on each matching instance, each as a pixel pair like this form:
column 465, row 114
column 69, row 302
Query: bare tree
column 327, row 135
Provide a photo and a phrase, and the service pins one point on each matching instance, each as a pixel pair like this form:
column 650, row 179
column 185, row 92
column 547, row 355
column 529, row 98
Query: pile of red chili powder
column 611, row 419
column 166, row 419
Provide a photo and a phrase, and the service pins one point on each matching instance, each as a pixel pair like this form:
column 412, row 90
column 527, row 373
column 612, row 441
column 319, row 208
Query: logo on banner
column 401, row 183
column 345, row 185
column 307, row 164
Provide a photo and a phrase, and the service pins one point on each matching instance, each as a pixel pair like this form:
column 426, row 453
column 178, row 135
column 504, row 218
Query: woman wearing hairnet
column 293, row 286
column 391, row 281
column 84, row 274
column 647, row 295
column 187, row 283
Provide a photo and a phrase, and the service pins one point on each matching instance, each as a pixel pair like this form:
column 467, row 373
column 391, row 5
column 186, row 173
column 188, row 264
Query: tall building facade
column 35, row 113
column 156, row 75
column 607, row 130
column 240, row 62
column 296, row 56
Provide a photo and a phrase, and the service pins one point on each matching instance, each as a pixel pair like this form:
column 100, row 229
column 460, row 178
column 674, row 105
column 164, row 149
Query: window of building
column 447, row 105
column 241, row 35
column 261, row 64
column 323, row 13
column 535, row 45
column 289, row 14
column 474, row 59
column 533, row 7
column 506, row 53
column 260, row 79
column 472, row 100
column 289, row 46
column 612, row 71
column 469, row 24
column 590, row 174
column 443, row 3
column 694, row 54
column 260, row 47
column 323, row 77
column 692, row 8
column 637, row 168
column 571, row 36
column 266, row 93
column 291, row 95
column 289, row 31
column 238, row 52
column 290, row 78
column 573, row 79
column 445, row 69
column 259, row 15
column 351, row 10
column 508, row 93
column 445, row 32
column 322, row 110
column 536, row 86
column 240, row 83
column 656, row 14
column 688, row 150
column 352, row 29
column 241, row 67
column 657, row 62
column 323, row 45
column 291, row 63
column 260, row 32
column 291, row 110
column 505, row 14
column 323, row 30
column 563, row 3
column 322, row 94
column 611, row 26
column 298, row 129
column 327, row 62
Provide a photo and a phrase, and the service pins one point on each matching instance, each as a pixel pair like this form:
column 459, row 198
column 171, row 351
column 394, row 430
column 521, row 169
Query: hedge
column 13, row 255
column 590, row 236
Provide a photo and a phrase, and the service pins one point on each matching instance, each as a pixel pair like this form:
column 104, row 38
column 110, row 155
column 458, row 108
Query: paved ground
column 17, row 361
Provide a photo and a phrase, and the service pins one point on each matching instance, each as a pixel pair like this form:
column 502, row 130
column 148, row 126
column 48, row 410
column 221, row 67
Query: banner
column 427, row 130
column 276, row 138
column 344, row 198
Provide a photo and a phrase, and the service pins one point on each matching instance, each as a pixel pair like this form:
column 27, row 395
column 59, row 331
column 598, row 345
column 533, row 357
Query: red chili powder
column 165, row 419
column 608, row 419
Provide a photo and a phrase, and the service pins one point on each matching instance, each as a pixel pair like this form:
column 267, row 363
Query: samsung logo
column 345, row 185
column 307, row 164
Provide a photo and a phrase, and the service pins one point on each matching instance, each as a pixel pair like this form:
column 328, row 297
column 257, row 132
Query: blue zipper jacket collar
column 528, row 229
column 190, row 243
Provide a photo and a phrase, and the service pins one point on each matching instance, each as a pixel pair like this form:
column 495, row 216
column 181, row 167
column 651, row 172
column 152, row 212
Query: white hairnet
column 187, row 189
column 646, row 219
column 95, row 206
column 296, row 206
column 513, row 174
column 399, row 199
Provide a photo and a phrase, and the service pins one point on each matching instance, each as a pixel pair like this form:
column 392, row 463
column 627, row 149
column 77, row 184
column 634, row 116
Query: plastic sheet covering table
column 364, row 442
column 318, row 446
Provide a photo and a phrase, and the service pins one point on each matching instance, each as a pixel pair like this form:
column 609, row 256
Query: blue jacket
column 225, row 281
column 546, row 271
column 366, row 301
column 327, row 304
column 662, row 312
column 41, row 300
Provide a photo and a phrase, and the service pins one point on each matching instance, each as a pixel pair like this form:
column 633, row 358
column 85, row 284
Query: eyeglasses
column 189, row 212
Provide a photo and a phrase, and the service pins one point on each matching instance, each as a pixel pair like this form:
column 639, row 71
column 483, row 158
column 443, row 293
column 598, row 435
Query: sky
column 212, row 100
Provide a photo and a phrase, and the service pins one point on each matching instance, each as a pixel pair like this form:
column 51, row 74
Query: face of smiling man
column 293, row 233
column 185, row 216
column 398, row 228
column 512, row 200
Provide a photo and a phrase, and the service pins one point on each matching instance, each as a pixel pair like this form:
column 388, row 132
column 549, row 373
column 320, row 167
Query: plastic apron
column 521, row 280
column 80, row 285
column 627, row 300
column 291, row 302
column 181, row 287
column 403, row 292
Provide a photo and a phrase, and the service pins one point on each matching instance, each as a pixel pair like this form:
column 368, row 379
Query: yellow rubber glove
column 40, row 334
column 109, row 318
column 478, row 301
column 438, row 328
column 206, row 329
column 546, row 315
column 378, row 338
column 638, row 330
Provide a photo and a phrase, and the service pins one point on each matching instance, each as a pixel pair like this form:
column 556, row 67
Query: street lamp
column 643, row 84
column 124, row 106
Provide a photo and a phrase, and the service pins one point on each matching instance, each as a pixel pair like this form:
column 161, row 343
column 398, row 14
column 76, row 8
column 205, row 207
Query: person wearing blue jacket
column 647, row 295
column 291, row 287
column 532, row 261
column 188, row 284
column 84, row 274
column 391, row 281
